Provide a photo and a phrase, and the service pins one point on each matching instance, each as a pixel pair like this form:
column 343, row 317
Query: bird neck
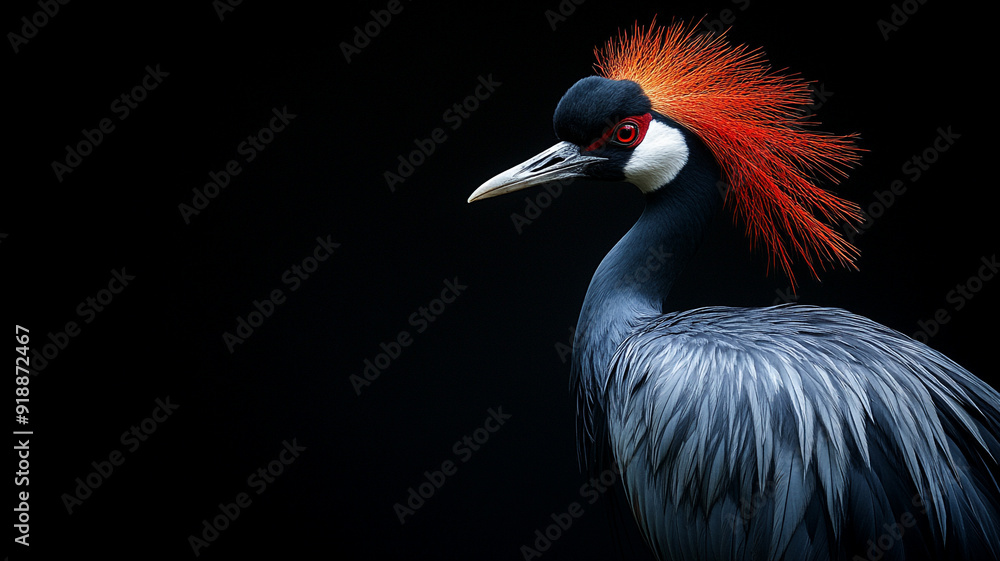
column 635, row 277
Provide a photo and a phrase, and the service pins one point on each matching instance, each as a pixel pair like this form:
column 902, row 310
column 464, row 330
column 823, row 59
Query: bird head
column 608, row 131
column 659, row 93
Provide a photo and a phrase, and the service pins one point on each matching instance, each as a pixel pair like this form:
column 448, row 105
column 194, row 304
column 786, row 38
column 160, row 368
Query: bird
column 790, row 432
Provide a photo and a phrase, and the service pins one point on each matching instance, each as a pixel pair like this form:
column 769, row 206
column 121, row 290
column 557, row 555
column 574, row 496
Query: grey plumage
column 772, row 433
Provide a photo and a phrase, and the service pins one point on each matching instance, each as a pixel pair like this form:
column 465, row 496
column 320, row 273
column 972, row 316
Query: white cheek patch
column 658, row 159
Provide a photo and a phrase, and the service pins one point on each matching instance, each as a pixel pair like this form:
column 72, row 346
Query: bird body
column 789, row 432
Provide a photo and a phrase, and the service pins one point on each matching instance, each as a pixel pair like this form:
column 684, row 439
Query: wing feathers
column 803, row 428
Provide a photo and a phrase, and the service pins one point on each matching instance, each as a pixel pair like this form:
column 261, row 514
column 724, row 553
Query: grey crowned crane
column 847, row 439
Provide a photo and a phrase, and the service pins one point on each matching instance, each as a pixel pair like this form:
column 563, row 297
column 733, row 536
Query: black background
column 495, row 346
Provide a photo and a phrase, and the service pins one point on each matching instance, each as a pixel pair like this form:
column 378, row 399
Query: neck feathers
column 635, row 277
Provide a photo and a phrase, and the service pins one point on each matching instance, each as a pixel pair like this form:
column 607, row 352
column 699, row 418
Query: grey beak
column 562, row 161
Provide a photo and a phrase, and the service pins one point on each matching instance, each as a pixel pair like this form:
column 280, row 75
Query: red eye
column 626, row 133
column 629, row 132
